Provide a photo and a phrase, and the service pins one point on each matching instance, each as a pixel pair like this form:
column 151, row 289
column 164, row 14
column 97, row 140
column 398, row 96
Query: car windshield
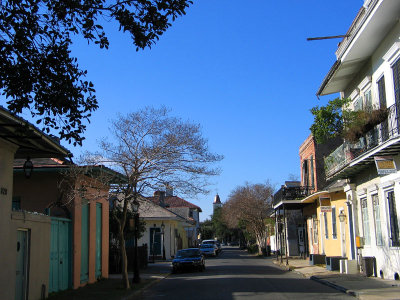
column 187, row 253
column 209, row 242
column 207, row 246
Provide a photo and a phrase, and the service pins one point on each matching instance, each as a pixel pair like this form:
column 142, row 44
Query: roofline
column 7, row 114
column 328, row 77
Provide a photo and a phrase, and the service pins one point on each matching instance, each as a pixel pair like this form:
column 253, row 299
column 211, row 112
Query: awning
column 313, row 197
column 31, row 141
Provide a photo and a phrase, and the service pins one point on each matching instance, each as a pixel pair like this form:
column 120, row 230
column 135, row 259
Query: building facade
column 367, row 71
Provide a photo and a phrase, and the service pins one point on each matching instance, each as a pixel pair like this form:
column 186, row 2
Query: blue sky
column 242, row 69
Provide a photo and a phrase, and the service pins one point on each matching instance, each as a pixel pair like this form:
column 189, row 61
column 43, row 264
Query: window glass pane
column 315, row 230
column 396, row 80
column 364, row 209
column 334, row 232
column 312, row 170
column 377, row 216
column 368, row 100
column 394, row 225
column 326, row 226
column 358, row 104
column 16, row 203
column 382, row 92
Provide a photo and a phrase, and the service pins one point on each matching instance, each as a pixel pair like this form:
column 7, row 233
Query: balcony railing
column 347, row 152
column 292, row 193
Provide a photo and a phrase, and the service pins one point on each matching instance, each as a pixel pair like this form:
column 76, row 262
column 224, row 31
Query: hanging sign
column 385, row 165
column 326, row 208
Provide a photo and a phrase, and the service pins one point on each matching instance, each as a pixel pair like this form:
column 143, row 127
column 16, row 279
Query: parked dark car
column 190, row 258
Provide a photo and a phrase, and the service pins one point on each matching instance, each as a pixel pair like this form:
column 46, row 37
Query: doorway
column 21, row 282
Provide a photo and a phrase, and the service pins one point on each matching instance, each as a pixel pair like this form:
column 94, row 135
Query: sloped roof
column 30, row 140
column 150, row 210
column 217, row 200
column 175, row 201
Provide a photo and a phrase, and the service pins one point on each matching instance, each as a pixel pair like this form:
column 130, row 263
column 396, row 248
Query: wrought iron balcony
column 292, row 193
column 347, row 152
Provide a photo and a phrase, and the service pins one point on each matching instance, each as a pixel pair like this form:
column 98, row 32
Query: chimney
column 169, row 191
column 161, row 197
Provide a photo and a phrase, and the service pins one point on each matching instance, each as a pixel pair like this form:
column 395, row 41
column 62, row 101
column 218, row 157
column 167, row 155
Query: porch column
column 351, row 202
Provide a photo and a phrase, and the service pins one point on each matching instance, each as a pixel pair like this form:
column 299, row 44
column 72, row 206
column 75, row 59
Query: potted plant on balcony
column 336, row 119
column 358, row 123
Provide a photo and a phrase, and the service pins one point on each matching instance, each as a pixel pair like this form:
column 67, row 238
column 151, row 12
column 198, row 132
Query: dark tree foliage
column 37, row 71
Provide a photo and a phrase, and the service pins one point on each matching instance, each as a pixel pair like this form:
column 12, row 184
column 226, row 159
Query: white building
column 367, row 71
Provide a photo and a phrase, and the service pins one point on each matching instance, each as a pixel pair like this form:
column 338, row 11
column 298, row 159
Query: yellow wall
column 332, row 246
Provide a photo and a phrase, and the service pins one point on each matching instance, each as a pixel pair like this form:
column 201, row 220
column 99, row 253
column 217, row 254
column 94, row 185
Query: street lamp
column 28, row 167
column 162, row 233
column 342, row 216
column 136, row 275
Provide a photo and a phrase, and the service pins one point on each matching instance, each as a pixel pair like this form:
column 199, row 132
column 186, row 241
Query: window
column 358, row 105
column 396, row 79
column 312, row 170
column 364, row 210
column 382, row 92
column 315, row 229
column 334, row 230
column 305, row 172
column 393, row 220
column 377, row 217
column 190, row 213
column 16, row 203
column 326, row 226
column 368, row 100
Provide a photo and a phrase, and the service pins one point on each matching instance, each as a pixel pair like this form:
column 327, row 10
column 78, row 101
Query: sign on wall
column 326, row 208
column 385, row 165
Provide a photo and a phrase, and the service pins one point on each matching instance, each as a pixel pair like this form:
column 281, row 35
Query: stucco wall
column 38, row 227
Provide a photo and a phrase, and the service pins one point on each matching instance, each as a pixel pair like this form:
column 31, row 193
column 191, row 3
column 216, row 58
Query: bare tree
column 248, row 206
column 152, row 149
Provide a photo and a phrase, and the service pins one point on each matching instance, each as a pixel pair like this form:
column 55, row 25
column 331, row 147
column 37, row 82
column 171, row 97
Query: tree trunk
column 124, row 259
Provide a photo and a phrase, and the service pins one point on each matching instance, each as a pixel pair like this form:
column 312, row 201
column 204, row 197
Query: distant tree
column 151, row 148
column 37, row 71
column 247, row 207
column 207, row 230
column 221, row 230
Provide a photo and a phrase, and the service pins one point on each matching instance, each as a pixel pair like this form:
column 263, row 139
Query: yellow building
column 330, row 228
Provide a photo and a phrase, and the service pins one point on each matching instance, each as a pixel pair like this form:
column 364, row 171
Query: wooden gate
column 60, row 255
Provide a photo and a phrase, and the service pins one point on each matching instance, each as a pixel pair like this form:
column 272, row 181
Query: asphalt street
column 236, row 275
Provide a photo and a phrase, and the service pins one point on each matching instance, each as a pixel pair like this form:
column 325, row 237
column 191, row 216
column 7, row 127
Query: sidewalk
column 111, row 288
column 356, row 285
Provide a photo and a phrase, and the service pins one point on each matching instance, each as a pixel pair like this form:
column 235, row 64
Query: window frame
column 334, row 223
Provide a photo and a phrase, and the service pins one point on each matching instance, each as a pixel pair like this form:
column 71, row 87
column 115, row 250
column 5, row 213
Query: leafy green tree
column 207, row 230
column 37, row 71
column 328, row 120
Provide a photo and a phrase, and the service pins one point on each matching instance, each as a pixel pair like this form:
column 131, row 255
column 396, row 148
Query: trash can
column 268, row 250
column 368, row 265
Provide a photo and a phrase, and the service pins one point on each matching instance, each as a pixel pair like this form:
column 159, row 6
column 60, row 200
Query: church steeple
column 217, row 202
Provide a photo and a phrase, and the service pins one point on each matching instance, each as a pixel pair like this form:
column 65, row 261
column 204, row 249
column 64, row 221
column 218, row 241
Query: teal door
column 85, row 244
column 22, row 265
column 99, row 212
column 60, row 255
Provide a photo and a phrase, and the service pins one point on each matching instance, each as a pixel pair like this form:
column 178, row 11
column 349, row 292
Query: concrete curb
column 147, row 286
column 335, row 286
